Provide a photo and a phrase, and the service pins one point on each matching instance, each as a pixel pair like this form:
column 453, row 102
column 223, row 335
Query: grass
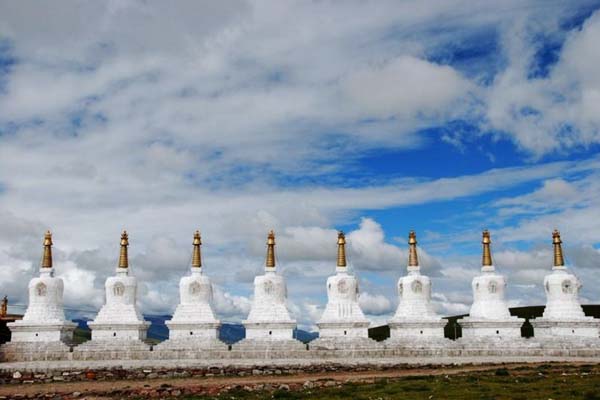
column 547, row 382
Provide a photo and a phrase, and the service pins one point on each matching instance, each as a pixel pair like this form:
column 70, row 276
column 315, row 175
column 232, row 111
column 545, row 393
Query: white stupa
column 194, row 324
column 269, row 317
column 563, row 316
column 120, row 318
column 44, row 321
column 343, row 320
column 489, row 315
column 415, row 318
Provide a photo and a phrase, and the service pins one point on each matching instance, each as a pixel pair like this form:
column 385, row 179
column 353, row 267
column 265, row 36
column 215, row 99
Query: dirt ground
column 101, row 389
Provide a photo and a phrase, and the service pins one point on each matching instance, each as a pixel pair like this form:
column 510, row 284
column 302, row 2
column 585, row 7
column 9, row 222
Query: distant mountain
column 229, row 333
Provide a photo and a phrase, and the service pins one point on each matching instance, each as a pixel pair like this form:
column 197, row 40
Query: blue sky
column 238, row 117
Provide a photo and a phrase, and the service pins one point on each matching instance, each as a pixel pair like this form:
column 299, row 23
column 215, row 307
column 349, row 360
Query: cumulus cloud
column 376, row 304
column 550, row 113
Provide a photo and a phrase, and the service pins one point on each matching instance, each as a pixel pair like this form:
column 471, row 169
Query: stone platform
column 508, row 329
column 194, row 348
column 586, row 327
column 116, row 349
column 268, row 349
column 34, row 351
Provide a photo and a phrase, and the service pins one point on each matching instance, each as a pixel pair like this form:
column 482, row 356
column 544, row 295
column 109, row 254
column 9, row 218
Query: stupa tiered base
column 113, row 349
column 509, row 328
column 269, row 330
column 417, row 330
column 35, row 351
column 22, row 331
column 344, row 329
column 119, row 331
column 586, row 327
column 193, row 330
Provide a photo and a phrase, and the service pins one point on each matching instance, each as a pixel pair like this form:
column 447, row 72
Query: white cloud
column 405, row 87
column 376, row 304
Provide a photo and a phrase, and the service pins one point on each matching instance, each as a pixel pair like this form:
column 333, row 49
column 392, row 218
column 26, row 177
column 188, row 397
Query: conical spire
column 270, row 250
column 413, row 259
column 559, row 260
column 123, row 258
column 486, row 259
column 47, row 257
column 341, row 254
column 196, row 259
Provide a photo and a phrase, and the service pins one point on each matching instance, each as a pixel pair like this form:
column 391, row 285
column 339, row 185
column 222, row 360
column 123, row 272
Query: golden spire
column 47, row 258
column 271, row 250
column 196, row 259
column 559, row 260
column 123, row 259
column 487, row 253
column 413, row 259
column 341, row 257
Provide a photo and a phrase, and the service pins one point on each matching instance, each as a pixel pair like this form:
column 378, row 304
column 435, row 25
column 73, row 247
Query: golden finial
column 271, row 250
column 4, row 307
column 413, row 259
column 341, row 256
column 123, row 259
column 487, row 252
column 559, row 260
column 196, row 259
column 47, row 258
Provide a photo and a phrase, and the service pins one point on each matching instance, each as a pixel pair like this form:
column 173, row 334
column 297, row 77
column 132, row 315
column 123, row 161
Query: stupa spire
column 413, row 259
column 486, row 259
column 270, row 263
column 47, row 257
column 123, row 258
column 196, row 258
column 559, row 260
column 341, row 253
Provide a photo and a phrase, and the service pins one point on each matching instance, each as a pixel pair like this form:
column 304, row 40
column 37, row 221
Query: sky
column 237, row 117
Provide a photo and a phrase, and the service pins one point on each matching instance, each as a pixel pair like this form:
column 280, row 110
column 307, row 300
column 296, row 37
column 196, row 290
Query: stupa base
column 22, row 331
column 193, row 330
column 564, row 329
column 102, row 331
column 344, row 330
column 500, row 329
column 417, row 330
column 267, row 331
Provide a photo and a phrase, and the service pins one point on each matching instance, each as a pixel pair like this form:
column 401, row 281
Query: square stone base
column 29, row 332
column 417, row 330
column 563, row 329
column 179, row 330
column 119, row 332
column 343, row 329
column 269, row 330
column 508, row 329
